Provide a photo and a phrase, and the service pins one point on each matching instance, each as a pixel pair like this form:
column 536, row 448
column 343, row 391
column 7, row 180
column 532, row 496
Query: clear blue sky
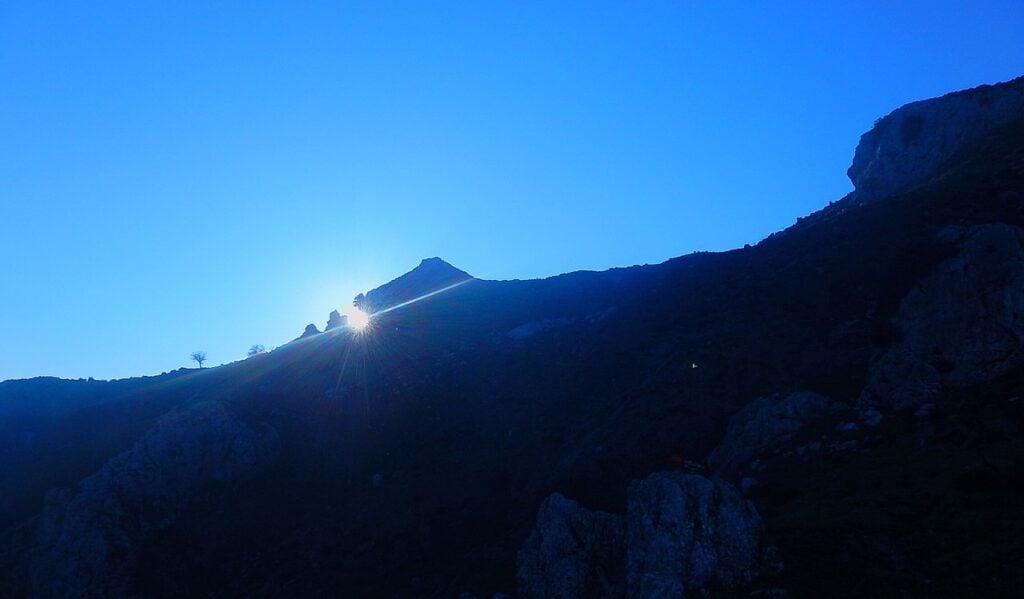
column 205, row 175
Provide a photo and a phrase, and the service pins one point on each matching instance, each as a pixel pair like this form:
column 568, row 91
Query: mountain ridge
column 412, row 461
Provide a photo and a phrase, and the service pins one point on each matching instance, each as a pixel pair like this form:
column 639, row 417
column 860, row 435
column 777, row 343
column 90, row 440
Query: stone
column 912, row 144
column 91, row 539
column 871, row 417
column 924, row 410
column 309, row 331
column 572, row 552
column 688, row 534
column 762, row 425
column 335, row 321
column 961, row 325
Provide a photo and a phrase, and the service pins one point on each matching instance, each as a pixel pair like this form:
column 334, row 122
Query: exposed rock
column 962, row 325
column 912, row 143
column 310, row 331
column 871, row 417
column 763, row 424
column 335, row 321
column 690, row 534
column 431, row 276
column 572, row 552
column 925, row 410
column 90, row 540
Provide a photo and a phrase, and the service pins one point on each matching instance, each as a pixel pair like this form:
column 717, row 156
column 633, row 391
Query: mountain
column 834, row 411
column 433, row 275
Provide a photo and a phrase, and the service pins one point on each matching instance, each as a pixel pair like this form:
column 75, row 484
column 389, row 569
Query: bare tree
column 199, row 357
column 256, row 349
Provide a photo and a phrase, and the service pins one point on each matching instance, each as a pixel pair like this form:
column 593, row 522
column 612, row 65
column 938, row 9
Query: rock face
column 335, row 321
column 763, row 424
column 690, row 534
column 572, row 552
column 432, row 275
column 683, row 533
column 90, row 539
column 913, row 142
column 963, row 324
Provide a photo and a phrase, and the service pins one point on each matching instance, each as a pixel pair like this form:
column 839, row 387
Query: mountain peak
column 430, row 276
column 436, row 264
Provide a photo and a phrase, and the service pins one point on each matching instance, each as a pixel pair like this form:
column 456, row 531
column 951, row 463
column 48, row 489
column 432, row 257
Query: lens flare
column 358, row 320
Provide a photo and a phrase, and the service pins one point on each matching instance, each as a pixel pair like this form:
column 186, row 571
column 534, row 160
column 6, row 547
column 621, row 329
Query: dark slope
column 411, row 460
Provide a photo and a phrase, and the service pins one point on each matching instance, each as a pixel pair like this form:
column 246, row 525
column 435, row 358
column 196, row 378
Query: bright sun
column 358, row 320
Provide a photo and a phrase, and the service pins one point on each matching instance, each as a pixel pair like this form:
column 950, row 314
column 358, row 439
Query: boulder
column 762, row 425
column 688, row 535
column 335, row 321
column 911, row 144
column 91, row 539
column 572, row 552
column 961, row 325
column 309, row 331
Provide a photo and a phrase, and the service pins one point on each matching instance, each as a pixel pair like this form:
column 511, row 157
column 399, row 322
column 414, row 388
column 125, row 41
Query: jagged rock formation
column 336, row 321
column 572, row 552
column 432, row 275
column 309, row 331
column 92, row 538
column 762, row 424
column 912, row 143
column 961, row 325
column 684, row 533
column 689, row 534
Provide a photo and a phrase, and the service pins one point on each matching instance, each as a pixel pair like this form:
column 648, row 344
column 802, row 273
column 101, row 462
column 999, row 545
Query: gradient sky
column 178, row 176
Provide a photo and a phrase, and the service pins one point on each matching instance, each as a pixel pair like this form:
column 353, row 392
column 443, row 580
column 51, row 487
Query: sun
column 358, row 320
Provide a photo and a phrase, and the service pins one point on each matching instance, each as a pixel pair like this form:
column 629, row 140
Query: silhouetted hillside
column 881, row 338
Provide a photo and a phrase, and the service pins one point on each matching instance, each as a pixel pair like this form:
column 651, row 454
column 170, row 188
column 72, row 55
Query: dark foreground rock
column 91, row 539
column 683, row 533
column 687, row 534
column 763, row 424
column 572, row 552
column 960, row 326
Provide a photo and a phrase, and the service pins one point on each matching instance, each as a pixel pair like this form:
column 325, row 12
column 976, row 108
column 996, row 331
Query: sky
column 177, row 176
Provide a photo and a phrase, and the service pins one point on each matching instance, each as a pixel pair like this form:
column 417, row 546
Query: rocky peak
column 909, row 145
column 310, row 331
column 432, row 274
column 335, row 321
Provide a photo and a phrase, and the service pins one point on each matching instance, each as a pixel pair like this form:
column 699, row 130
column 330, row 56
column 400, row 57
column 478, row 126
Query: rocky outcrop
column 962, row 325
column 683, row 534
column 688, row 534
column 309, row 331
column 91, row 539
column 431, row 276
column 911, row 144
column 572, row 552
column 336, row 321
column 762, row 425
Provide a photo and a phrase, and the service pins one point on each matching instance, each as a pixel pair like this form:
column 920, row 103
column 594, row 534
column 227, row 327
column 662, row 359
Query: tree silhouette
column 199, row 357
column 257, row 349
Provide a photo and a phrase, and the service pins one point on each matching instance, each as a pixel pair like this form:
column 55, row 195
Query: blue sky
column 178, row 176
